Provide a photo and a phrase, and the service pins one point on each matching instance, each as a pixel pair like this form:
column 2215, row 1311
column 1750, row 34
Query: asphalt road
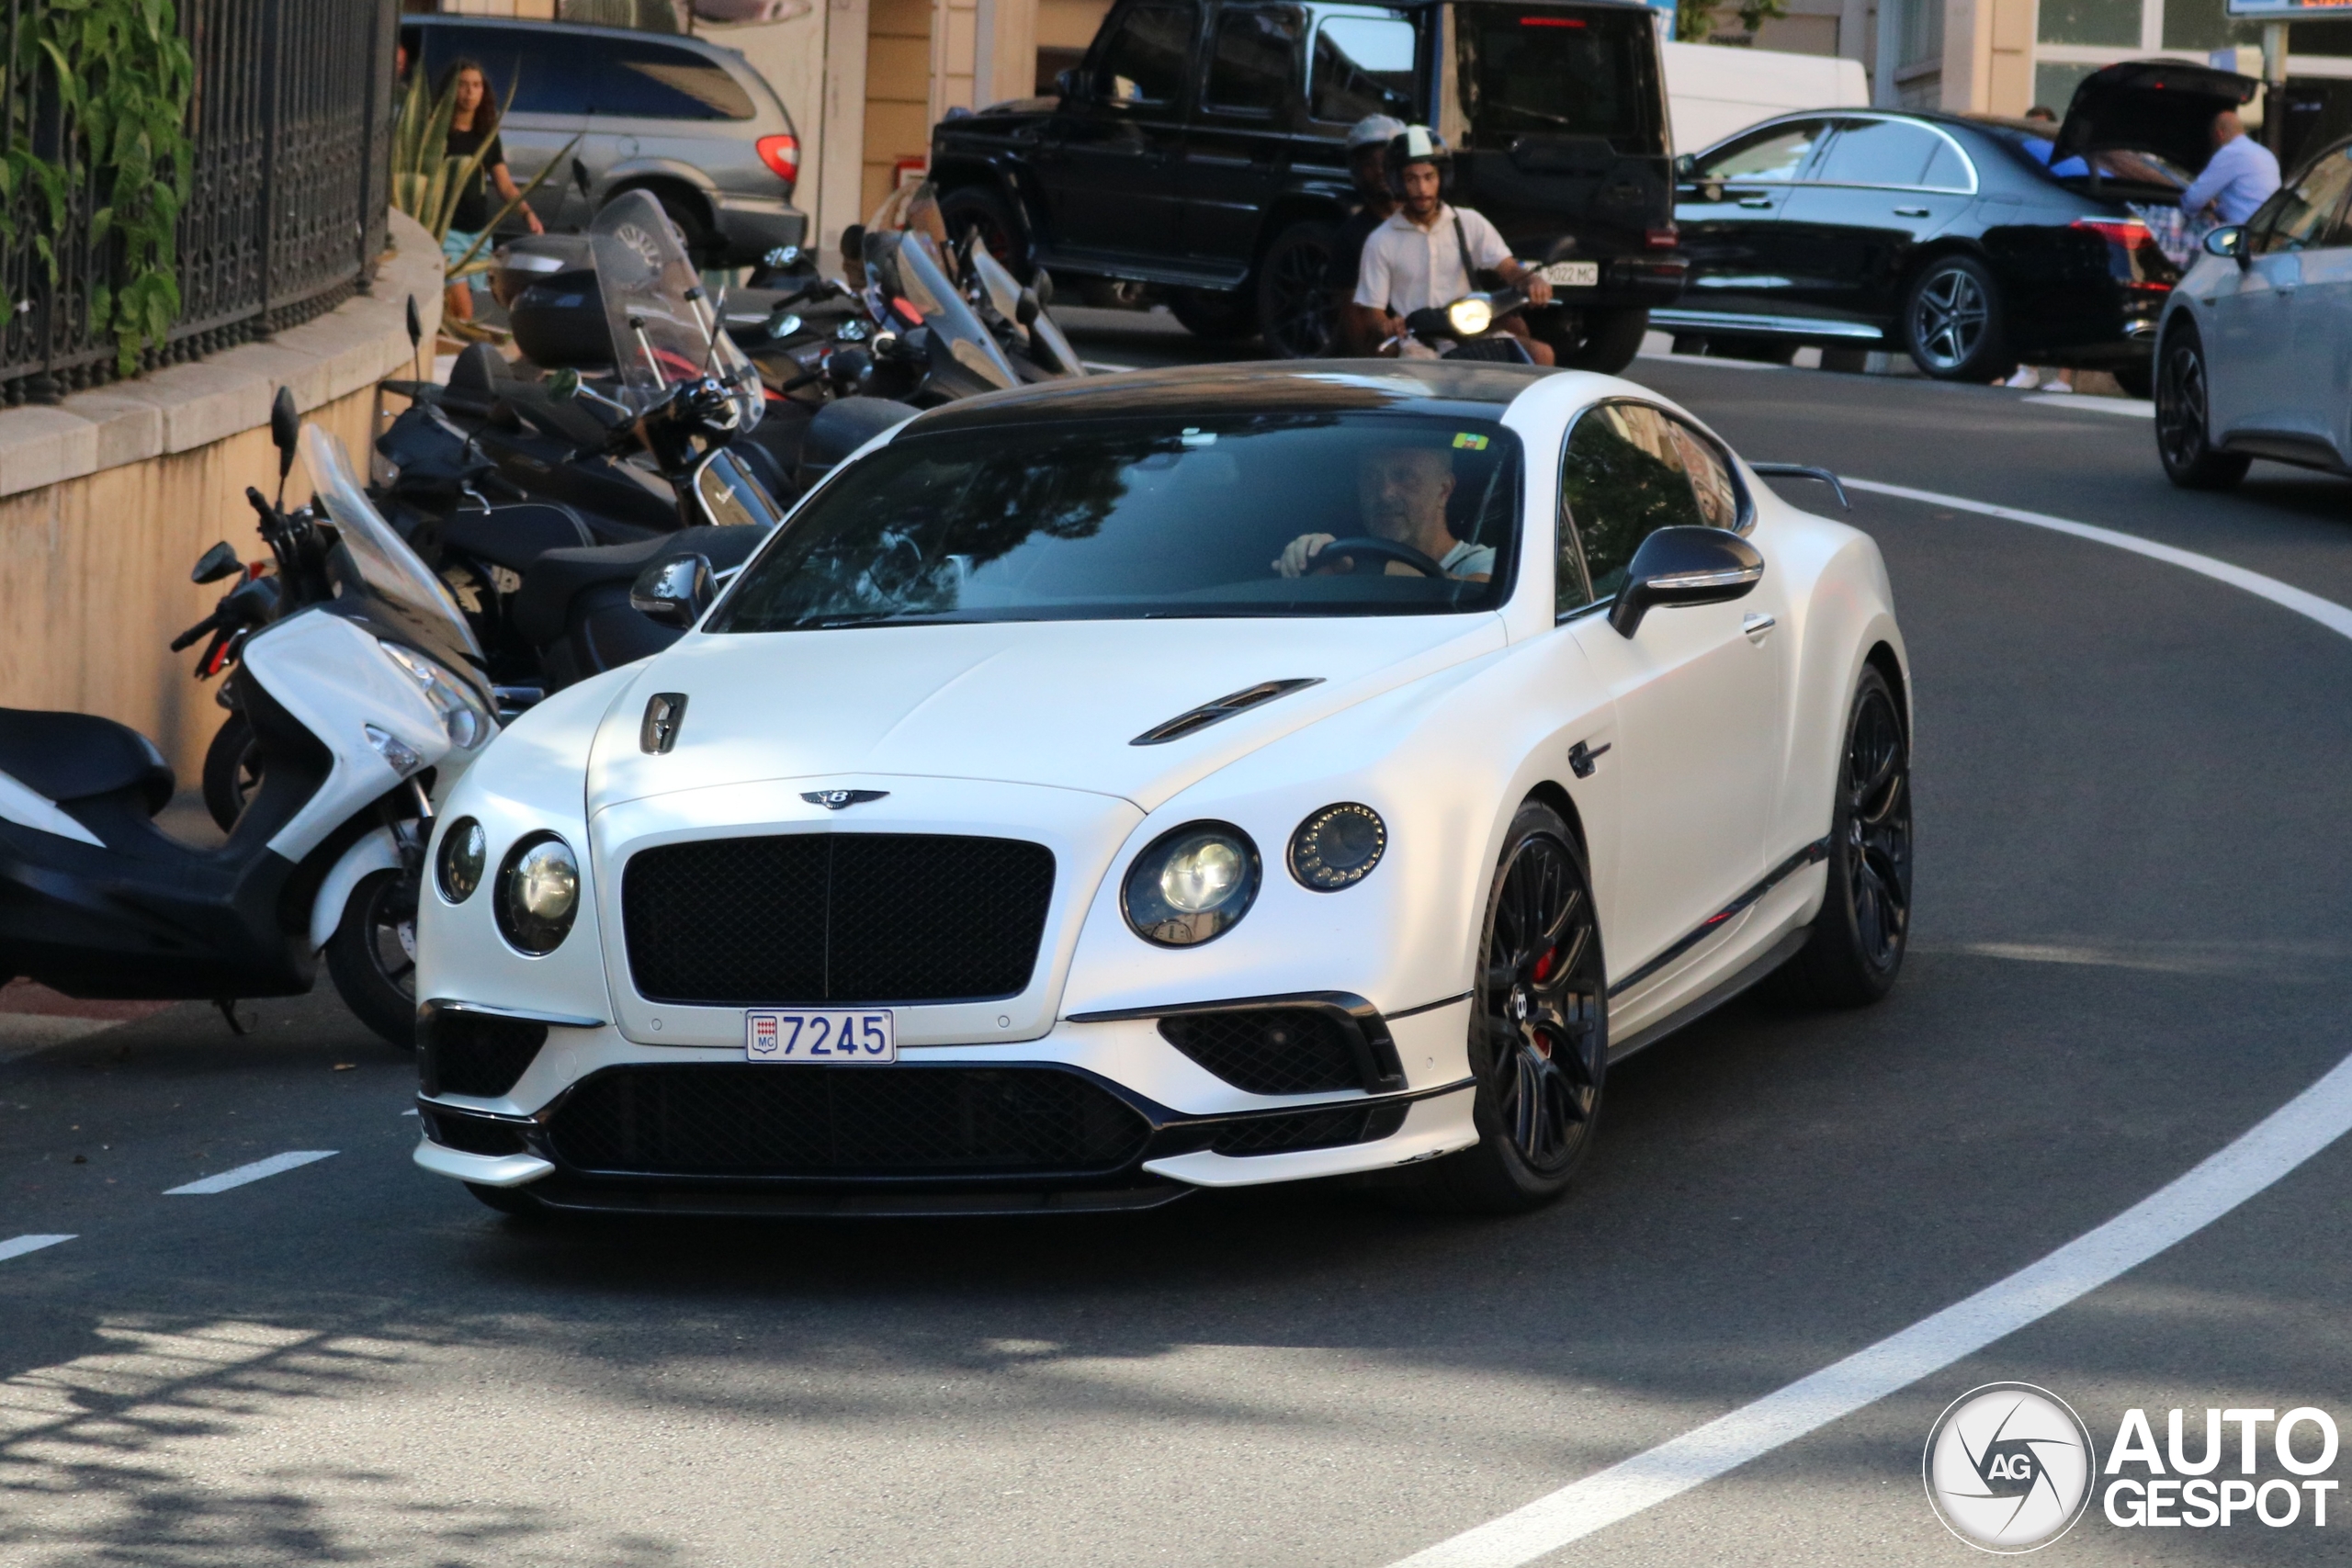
column 2130, row 905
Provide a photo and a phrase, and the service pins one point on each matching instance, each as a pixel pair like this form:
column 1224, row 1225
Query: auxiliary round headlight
column 1337, row 847
column 539, row 892
column 458, row 868
column 1470, row 317
column 1191, row 884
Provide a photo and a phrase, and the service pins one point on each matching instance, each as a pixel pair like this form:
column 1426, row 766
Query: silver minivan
column 686, row 120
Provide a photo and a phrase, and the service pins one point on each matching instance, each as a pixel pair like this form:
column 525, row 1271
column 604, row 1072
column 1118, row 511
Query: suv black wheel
column 1858, row 938
column 1212, row 314
column 1294, row 309
column 978, row 208
column 1605, row 341
column 372, row 956
column 2184, row 436
column 1539, row 1031
column 1952, row 322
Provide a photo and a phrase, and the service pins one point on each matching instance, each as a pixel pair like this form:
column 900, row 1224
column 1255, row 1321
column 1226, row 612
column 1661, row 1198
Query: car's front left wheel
column 2184, row 416
column 1539, row 1030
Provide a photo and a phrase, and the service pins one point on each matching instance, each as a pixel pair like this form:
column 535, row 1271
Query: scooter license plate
column 864, row 1037
column 1572, row 274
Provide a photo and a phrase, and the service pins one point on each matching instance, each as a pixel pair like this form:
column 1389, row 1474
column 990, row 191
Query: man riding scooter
column 1368, row 141
column 1428, row 254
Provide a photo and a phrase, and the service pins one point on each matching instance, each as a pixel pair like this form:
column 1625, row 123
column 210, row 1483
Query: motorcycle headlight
column 1191, row 884
column 1470, row 317
column 539, row 893
column 463, row 718
column 457, row 869
column 1338, row 846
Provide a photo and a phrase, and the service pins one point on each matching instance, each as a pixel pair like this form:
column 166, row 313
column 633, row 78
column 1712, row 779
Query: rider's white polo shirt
column 1406, row 267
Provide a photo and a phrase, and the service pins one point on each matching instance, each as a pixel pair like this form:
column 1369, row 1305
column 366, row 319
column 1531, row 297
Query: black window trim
column 1841, row 119
column 1301, row 60
column 1322, row 12
column 1745, row 523
column 1098, row 56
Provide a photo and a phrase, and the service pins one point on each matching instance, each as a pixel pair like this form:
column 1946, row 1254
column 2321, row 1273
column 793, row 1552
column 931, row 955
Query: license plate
column 1571, row 275
column 843, row 1039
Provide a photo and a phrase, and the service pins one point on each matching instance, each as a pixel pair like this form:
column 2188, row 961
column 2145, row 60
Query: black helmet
column 1418, row 144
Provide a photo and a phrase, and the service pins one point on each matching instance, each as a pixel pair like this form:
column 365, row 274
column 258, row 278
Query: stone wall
column 108, row 499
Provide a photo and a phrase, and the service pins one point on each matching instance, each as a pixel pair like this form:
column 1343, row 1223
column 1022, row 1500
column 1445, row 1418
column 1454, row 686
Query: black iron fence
column 291, row 122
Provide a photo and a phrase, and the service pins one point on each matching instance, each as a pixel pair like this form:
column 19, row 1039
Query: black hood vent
column 1225, row 707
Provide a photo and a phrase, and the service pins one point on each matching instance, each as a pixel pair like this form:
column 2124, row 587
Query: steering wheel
column 1382, row 549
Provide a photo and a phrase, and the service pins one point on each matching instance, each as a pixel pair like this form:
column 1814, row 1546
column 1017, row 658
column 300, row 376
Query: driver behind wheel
column 1401, row 493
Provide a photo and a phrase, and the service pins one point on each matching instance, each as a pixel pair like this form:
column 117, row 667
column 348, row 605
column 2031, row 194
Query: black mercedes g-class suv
column 1199, row 148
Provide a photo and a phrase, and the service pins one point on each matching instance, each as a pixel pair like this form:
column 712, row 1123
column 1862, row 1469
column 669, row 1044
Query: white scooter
column 365, row 707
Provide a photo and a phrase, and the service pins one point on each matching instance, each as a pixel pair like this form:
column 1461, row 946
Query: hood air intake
column 1225, row 707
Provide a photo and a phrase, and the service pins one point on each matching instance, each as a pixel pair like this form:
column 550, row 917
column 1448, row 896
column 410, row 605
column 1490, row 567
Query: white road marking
column 244, row 1173
column 17, row 1246
column 2136, row 408
column 2273, row 1146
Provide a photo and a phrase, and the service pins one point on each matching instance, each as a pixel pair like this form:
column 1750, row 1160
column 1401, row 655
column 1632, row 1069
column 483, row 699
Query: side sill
column 1771, row 958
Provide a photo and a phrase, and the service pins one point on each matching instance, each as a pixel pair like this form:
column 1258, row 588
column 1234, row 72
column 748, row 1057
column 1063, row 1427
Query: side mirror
column 1685, row 166
column 216, row 563
column 415, row 328
column 1685, row 566
column 285, row 430
column 854, row 250
column 783, row 258
column 1069, row 84
column 563, row 385
column 579, row 178
column 1044, row 284
column 1030, row 307
column 672, row 592
column 2230, row 240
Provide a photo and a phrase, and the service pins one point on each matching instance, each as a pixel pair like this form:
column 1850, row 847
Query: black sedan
column 1969, row 244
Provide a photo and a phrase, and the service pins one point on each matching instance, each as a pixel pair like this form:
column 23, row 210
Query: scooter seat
column 514, row 536
column 75, row 756
column 542, row 608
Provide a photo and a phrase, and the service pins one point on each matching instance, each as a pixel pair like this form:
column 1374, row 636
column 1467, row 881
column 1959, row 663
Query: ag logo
column 2008, row 1467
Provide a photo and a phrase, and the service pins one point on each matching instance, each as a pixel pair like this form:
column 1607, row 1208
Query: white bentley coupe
column 1098, row 791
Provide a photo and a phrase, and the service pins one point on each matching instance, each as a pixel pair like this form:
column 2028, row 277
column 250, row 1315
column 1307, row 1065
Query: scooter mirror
column 783, row 258
column 563, row 385
column 415, row 327
column 854, row 251
column 285, row 430
column 580, row 178
column 782, row 325
column 1026, row 311
column 216, row 563
column 672, row 592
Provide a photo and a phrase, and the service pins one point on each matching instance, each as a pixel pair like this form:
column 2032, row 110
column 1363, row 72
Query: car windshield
column 1549, row 72
column 1131, row 519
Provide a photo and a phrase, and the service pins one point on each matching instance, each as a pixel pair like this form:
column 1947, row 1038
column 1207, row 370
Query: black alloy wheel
column 1601, row 340
column 976, row 208
column 1213, row 313
column 2184, row 438
column 1539, row 1030
column 2137, row 379
column 232, row 772
column 372, row 955
column 1952, row 322
column 1296, row 312
column 1859, row 935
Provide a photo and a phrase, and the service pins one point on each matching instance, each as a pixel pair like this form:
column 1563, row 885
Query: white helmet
column 1374, row 129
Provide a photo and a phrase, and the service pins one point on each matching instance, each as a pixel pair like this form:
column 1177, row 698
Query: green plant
column 1694, row 20
column 428, row 182
column 121, row 80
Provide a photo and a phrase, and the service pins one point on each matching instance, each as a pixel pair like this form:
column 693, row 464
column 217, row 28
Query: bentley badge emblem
column 834, row 799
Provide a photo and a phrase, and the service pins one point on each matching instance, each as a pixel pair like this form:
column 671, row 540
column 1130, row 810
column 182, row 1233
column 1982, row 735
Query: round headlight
column 539, row 892
column 458, row 868
column 1191, row 884
column 1338, row 846
column 1470, row 317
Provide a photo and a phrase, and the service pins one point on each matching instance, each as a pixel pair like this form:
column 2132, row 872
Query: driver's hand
column 1298, row 556
column 1538, row 291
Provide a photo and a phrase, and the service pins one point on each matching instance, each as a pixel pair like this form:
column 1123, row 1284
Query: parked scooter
column 364, row 704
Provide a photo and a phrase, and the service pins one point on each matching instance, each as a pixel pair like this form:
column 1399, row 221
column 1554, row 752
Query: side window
column 1879, row 152
column 659, row 81
column 2302, row 216
column 1948, row 170
column 1146, row 61
column 1363, row 66
column 1774, row 154
column 1253, row 59
column 1622, row 478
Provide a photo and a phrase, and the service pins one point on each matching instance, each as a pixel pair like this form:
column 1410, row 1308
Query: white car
column 1184, row 779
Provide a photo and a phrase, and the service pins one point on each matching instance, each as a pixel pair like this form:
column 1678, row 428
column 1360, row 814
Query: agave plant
column 427, row 181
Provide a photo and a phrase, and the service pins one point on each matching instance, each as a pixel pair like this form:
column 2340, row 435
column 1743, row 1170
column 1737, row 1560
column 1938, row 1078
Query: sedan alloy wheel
column 1952, row 321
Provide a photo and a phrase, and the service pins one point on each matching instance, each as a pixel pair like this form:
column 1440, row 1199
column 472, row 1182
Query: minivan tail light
column 782, row 155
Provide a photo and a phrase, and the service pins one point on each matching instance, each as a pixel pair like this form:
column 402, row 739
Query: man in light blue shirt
column 2239, row 179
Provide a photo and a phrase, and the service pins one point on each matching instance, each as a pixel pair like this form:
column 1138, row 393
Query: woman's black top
column 472, row 214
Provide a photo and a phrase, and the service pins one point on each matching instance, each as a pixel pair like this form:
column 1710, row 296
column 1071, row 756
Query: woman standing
column 474, row 125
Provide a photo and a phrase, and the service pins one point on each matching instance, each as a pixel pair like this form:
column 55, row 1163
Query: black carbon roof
column 1307, row 386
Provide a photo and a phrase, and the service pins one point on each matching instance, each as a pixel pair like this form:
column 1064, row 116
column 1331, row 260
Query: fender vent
column 1225, row 707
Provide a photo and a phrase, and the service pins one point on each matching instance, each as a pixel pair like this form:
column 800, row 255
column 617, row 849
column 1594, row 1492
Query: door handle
column 1911, row 212
column 1756, row 628
column 1755, row 201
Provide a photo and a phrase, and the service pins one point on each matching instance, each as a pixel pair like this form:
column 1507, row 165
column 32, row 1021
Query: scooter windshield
column 663, row 332
column 371, row 563
column 907, row 266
